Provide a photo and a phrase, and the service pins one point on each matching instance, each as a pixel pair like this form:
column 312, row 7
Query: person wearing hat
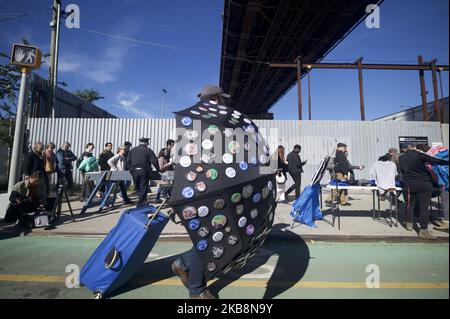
column 189, row 266
column 139, row 161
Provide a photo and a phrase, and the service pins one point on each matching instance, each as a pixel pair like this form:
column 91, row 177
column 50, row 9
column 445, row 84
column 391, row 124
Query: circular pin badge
column 235, row 116
column 242, row 221
column 199, row 169
column 195, row 112
column 223, row 112
column 227, row 158
column 247, row 147
column 187, row 192
column 219, row 221
column 219, row 203
column 191, row 176
column 228, row 229
column 213, row 102
column 264, row 159
column 202, row 245
column 230, row 172
column 250, row 128
column 207, row 144
column 200, row 186
column 194, row 224
column 212, row 174
column 232, row 240
column 222, row 107
column 254, row 213
column 191, row 135
column 237, row 112
column 217, row 236
column 246, row 120
column 243, row 166
column 186, row 121
column 236, row 198
column 211, row 266
column 189, row 212
column 228, row 132
column 204, row 109
column 256, row 198
column 203, row 232
column 203, row 211
column 250, row 230
column 206, row 158
column 191, row 149
column 217, row 251
column 213, row 129
column 270, row 185
column 254, row 161
column 233, row 147
column 185, row 161
column 247, row 191
column 265, row 192
column 212, row 109
column 239, row 209
column 206, row 116
column 212, row 114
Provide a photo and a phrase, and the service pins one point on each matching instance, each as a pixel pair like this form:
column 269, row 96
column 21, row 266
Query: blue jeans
column 194, row 265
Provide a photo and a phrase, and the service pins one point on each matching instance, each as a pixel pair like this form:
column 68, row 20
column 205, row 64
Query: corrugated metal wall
column 366, row 140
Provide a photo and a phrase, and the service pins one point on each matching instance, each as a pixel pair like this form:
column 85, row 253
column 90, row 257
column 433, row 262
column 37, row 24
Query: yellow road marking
column 246, row 283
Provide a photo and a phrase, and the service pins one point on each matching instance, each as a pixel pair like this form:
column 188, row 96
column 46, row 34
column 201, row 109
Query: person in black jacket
column 65, row 158
column 139, row 161
column 104, row 156
column 418, row 187
column 295, row 169
column 34, row 162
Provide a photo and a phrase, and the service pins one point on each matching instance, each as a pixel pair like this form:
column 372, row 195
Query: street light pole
column 54, row 45
column 163, row 100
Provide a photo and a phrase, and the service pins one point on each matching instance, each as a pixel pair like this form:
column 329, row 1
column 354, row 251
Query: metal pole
column 353, row 66
column 162, row 105
column 361, row 90
column 55, row 66
column 437, row 106
column 309, row 95
column 423, row 90
column 442, row 93
column 299, row 87
column 16, row 155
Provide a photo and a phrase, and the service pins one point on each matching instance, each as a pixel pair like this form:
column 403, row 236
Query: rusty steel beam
column 423, row 90
column 412, row 67
column 299, row 87
column 437, row 104
column 309, row 96
column 361, row 90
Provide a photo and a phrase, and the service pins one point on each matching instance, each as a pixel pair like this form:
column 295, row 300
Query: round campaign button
column 236, row 198
column 254, row 161
column 200, row 186
column 270, row 185
column 199, row 169
column 233, row 240
column 203, row 211
column 191, row 135
column 247, row 146
column 212, row 109
column 264, row 159
column 203, row 232
column 222, row 107
column 207, row 144
column 239, row 209
column 223, row 112
column 191, row 149
column 202, row 245
column 191, row 176
column 187, row 192
column 211, row 266
column 219, row 221
column 254, row 213
column 195, row 112
column 228, row 229
column 185, row 161
column 186, row 121
column 204, row 109
column 243, row 166
column 242, row 221
column 206, row 116
column 246, row 120
column 219, row 203
column 265, row 192
column 206, row 158
column 250, row 229
column 194, row 224
column 217, row 236
column 230, row 172
column 217, row 251
column 213, row 102
column 213, row 129
column 212, row 114
column 189, row 212
column 256, row 198
column 235, row 116
column 247, row 191
column 227, row 158
column 228, row 132
column 212, row 174
column 237, row 112
column 233, row 147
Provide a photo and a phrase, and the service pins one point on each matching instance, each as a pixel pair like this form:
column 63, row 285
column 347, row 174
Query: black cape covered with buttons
column 223, row 198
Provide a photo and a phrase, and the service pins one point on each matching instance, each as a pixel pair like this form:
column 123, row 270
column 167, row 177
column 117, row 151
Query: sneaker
column 443, row 226
column 425, row 234
column 409, row 226
column 206, row 294
column 178, row 270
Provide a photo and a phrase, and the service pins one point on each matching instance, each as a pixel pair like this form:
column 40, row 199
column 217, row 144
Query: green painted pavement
column 35, row 267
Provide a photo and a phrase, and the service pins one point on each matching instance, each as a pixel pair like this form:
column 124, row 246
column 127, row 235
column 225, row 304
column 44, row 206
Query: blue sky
column 130, row 74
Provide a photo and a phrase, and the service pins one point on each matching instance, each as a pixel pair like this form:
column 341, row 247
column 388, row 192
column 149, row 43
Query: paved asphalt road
column 35, row 267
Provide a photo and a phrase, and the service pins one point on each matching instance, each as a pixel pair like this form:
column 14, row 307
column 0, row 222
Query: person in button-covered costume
column 223, row 192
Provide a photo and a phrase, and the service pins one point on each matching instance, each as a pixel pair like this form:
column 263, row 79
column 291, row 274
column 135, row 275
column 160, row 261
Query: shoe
column 443, row 226
column 346, row 204
column 206, row 294
column 178, row 270
column 425, row 234
column 409, row 226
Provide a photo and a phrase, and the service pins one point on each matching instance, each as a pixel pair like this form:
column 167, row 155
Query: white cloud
column 128, row 100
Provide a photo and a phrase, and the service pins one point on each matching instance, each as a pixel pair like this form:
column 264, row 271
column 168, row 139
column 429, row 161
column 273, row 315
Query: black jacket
column 141, row 157
column 413, row 169
column 341, row 163
column 63, row 163
column 33, row 162
column 103, row 160
column 295, row 164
